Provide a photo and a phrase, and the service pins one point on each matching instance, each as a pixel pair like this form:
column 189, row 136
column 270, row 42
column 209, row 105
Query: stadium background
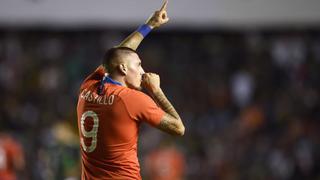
column 243, row 74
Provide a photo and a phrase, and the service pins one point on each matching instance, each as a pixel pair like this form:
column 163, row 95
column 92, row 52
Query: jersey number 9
column 89, row 134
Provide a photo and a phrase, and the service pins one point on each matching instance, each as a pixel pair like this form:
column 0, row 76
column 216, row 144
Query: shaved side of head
column 116, row 56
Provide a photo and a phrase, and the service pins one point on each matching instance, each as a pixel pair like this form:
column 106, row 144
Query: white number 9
column 89, row 134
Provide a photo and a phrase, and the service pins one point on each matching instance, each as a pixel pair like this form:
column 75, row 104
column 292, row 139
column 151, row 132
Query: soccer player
column 111, row 108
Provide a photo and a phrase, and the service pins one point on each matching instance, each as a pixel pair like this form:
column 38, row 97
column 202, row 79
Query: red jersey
column 108, row 128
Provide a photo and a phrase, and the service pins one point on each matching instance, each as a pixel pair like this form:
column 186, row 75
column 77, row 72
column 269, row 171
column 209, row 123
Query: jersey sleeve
column 142, row 108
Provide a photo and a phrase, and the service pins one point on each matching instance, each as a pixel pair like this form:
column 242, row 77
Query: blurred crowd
column 250, row 101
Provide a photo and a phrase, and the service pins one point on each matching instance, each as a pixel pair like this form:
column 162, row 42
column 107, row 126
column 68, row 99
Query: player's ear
column 123, row 68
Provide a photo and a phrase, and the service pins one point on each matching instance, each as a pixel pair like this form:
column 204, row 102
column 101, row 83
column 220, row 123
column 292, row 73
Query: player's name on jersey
column 93, row 97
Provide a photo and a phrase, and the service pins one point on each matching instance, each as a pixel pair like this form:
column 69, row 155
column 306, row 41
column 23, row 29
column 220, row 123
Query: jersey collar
column 107, row 79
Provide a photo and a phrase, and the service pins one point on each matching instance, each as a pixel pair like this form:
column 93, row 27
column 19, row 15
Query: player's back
column 108, row 134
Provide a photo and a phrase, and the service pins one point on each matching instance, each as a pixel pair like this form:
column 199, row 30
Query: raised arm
column 171, row 121
column 158, row 18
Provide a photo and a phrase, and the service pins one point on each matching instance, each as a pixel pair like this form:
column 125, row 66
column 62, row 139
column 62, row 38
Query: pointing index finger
column 164, row 6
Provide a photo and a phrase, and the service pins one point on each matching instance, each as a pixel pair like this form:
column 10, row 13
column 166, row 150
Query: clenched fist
column 151, row 82
column 159, row 17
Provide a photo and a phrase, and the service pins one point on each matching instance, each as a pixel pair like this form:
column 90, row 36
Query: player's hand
column 159, row 17
column 151, row 82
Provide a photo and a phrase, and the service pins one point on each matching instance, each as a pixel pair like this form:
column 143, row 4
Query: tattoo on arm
column 167, row 125
column 165, row 104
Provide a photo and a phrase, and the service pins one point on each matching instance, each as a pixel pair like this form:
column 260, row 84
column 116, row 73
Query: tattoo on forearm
column 167, row 126
column 171, row 122
column 165, row 104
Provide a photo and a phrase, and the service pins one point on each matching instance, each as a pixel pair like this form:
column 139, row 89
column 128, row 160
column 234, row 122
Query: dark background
column 249, row 98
